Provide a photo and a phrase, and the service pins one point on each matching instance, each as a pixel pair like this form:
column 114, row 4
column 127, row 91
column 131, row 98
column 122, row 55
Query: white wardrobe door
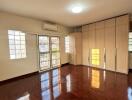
column 100, row 42
column 85, row 48
column 110, row 44
column 122, row 30
column 91, row 42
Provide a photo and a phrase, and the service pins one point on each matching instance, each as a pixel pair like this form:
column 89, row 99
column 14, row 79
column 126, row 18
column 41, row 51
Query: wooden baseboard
column 105, row 69
column 62, row 65
column 130, row 70
column 18, row 78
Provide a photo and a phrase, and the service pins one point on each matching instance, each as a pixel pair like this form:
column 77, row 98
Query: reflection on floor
column 50, row 84
column 95, row 83
column 70, row 83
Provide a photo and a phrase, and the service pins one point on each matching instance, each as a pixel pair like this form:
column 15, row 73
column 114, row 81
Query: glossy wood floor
column 70, row 83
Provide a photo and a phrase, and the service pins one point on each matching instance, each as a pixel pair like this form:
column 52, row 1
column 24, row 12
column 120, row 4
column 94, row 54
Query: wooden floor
column 70, row 83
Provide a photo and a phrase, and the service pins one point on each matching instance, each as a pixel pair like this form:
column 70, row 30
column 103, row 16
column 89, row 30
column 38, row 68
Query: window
column 17, row 44
column 95, row 56
column 130, row 42
column 67, row 44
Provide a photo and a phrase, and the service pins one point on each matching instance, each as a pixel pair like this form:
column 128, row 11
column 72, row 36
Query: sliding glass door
column 44, row 52
column 49, row 52
column 55, row 51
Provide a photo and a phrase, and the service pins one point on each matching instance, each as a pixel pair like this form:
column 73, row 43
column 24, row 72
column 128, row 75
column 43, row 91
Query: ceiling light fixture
column 77, row 9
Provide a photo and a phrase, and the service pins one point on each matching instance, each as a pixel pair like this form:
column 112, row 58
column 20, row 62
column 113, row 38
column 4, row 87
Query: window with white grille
column 130, row 41
column 17, row 44
column 67, row 44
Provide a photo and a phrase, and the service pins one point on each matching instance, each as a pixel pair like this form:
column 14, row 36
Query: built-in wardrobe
column 105, row 44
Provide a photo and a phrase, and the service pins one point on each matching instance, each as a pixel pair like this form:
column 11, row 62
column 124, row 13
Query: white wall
column 13, row 68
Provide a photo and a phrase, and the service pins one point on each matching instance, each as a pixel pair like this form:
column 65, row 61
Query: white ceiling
column 59, row 10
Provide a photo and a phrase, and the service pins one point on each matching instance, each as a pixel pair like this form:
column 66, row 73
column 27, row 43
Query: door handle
column 104, row 55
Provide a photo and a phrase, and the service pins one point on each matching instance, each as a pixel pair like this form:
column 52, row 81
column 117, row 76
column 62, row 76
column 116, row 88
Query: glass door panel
column 43, row 44
column 44, row 61
column 55, row 51
column 44, row 52
column 49, row 52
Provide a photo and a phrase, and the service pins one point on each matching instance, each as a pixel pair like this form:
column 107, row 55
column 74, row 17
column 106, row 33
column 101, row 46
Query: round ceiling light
column 77, row 9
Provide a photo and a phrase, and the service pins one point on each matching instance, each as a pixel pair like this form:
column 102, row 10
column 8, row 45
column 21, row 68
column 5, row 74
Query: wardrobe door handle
column 115, row 59
column 104, row 55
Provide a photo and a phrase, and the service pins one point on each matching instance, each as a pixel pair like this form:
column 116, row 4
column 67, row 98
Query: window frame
column 21, row 51
column 129, row 44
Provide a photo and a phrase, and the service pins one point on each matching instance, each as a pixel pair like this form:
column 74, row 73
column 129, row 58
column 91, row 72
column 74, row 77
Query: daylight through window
column 130, row 42
column 17, row 44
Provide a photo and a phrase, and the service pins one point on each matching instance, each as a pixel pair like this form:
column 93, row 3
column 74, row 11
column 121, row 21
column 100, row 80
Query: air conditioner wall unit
column 50, row 26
